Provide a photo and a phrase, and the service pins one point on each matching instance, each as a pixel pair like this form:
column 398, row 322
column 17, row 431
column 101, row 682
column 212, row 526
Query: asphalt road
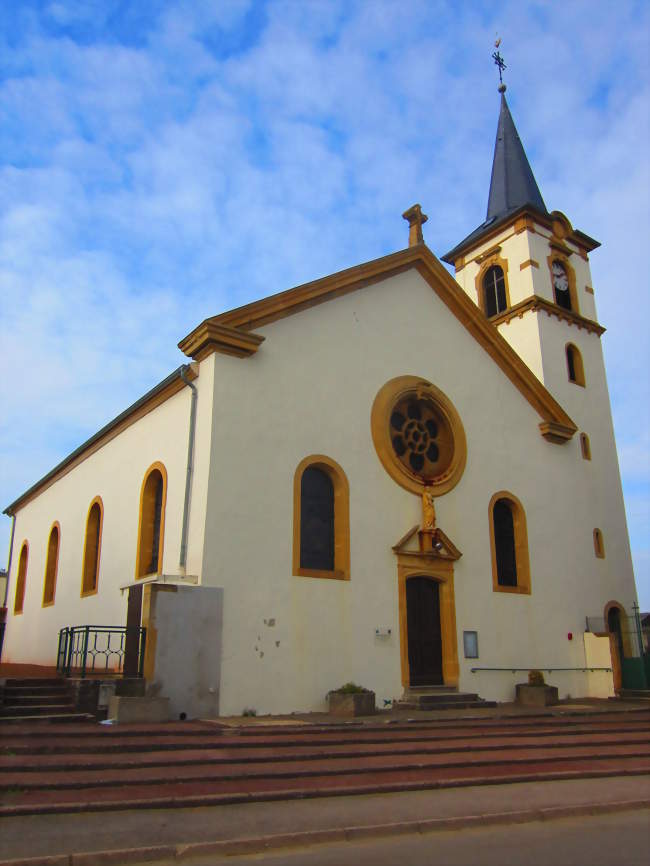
column 590, row 841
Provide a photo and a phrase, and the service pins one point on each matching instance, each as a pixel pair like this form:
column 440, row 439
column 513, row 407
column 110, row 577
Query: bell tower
column 528, row 270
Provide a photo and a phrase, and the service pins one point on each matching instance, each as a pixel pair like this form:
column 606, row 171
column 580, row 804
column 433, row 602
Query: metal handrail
column 87, row 648
column 548, row 670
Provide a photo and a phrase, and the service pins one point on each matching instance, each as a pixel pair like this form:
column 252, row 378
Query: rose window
column 420, row 436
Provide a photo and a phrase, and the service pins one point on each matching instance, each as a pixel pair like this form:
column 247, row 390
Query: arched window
column 599, row 544
column 494, row 291
column 585, row 446
column 51, row 565
column 151, row 531
column 92, row 547
column 19, row 599
column 509, row 544
column 321, row 537
column 575, row 368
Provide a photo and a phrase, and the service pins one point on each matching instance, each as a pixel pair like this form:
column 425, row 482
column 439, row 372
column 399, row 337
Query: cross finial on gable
column 416, row 220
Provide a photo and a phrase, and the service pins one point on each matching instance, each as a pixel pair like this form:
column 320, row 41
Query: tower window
column 152, row 521
column 90, row 573
column 494, row 291
column 51, row 566
column 599, row 544
column 321, row 541
column 19, row 599
column 575, row 368
column 585, row 446
column 509, row 544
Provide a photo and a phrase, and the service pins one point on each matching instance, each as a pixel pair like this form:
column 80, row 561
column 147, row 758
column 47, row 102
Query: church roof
column 220, row 333
column 169, row 386
column 513, row 187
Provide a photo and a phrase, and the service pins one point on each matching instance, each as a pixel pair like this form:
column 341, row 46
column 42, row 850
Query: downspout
column 11, row 547
column 3, row 610
column 190, row 467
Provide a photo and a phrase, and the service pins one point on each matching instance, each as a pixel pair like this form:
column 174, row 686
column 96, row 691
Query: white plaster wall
column 115, row 472
column 309, row 390
column 523, row 335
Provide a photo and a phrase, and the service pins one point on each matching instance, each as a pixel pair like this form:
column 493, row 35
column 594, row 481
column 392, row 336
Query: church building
column 387, row 476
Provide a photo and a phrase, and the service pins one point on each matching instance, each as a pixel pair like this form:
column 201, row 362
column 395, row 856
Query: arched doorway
column 424, row 632
column 427, row 617
column 617, row 651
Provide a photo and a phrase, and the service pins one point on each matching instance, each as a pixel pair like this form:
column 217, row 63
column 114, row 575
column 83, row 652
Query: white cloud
column 227, row 152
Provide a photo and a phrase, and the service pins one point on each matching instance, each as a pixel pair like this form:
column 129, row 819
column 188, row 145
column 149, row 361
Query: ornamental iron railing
column 101, row 649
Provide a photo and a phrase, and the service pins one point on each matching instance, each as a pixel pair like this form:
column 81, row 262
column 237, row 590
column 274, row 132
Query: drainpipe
column 3, row 610
column 11, row 547
column 190, row 467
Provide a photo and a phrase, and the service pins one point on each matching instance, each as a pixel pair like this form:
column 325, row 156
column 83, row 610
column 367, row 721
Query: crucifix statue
column 428, row 510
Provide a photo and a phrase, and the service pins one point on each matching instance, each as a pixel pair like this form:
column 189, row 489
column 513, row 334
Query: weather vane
column 500, row 63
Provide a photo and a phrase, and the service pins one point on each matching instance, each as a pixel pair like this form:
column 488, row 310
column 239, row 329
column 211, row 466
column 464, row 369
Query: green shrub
column 536, row 678
column 351, row 689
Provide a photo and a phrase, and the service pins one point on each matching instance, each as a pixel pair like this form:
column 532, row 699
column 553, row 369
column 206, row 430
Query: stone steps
column 48, row 699
column 99, row 740
column 634, row 694
column 440, row 698
column 81, row 768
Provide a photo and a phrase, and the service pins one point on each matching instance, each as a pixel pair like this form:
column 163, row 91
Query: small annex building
column 386, row 476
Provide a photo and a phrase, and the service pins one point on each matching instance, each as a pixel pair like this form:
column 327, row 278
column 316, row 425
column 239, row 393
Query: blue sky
column 163, row 161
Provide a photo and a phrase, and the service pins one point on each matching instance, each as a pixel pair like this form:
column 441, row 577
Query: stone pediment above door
column 429, row 544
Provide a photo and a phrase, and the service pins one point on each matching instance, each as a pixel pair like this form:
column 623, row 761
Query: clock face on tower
column 560, row 279
column 560, row 285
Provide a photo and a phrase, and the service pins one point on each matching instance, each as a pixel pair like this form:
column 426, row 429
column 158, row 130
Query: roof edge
column 494, row 226
column 419, row 256
column 153, row 398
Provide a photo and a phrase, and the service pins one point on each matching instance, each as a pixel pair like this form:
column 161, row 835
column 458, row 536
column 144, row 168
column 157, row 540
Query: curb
column 256, row 845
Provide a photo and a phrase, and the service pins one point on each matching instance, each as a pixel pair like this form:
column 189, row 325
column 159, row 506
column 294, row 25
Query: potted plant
column 351, row 700
column 536, row 693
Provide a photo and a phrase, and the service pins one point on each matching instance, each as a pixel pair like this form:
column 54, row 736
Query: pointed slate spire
column 512, row 184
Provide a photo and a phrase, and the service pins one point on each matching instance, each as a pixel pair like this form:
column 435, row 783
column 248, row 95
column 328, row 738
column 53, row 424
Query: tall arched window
column 151, row 531
column 51, row 565
column 316, row 520
column 494, row 291
column 575, row 368
column 321, row 539
column 19, row 599
column 92, row 547
column 509, row 544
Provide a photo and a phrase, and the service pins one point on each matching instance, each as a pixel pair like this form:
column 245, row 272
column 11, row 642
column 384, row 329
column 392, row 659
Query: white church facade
column 387, row 476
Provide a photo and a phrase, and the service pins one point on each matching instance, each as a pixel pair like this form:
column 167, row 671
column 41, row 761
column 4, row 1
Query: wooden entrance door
column 424, row 634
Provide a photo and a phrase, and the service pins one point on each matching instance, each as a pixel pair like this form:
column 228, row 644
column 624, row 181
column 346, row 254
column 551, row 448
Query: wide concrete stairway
column 47, row 699
column 47, row 768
